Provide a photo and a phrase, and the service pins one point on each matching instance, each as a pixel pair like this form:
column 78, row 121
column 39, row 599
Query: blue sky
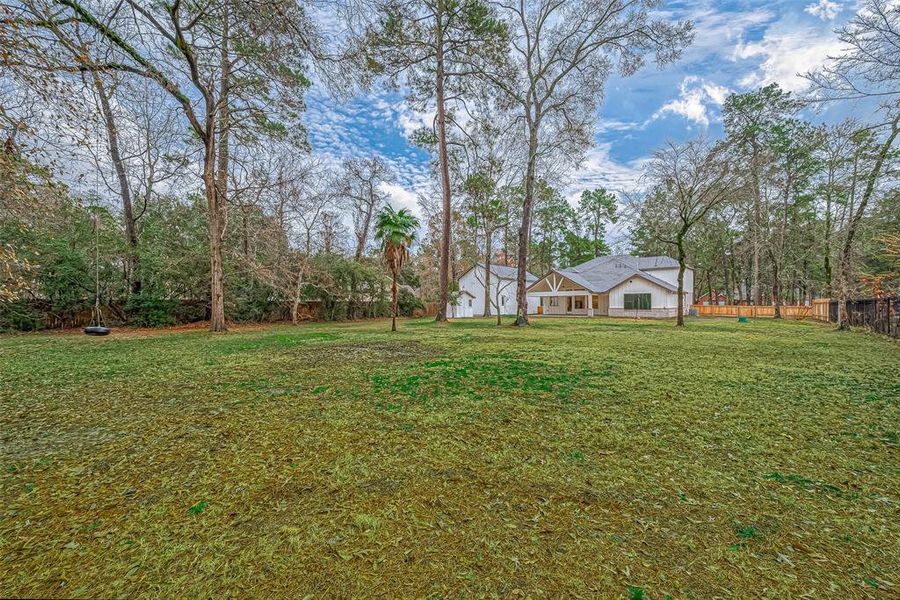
column 739, row 45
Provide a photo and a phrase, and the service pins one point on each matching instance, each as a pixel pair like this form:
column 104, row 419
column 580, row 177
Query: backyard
column 592, row 458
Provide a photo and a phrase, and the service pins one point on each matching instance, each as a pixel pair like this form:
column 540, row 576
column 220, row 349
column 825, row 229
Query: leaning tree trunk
column 847, row 250
column 112, row 133
column 444, row 167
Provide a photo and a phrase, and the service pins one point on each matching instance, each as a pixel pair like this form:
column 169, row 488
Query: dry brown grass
column 601, row 458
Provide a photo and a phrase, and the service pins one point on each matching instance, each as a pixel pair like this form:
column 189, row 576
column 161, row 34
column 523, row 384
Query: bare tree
column 687, row 182
column 866, row 69
column 493, row 298
column 232, row 56
column 361, row 186
column 561, row 56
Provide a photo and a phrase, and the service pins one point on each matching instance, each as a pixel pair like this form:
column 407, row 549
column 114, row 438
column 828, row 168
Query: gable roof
column 504, row 272
column 601, row 274
column 639, row 263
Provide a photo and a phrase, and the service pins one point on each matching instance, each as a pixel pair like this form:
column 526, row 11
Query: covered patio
column 564, row 296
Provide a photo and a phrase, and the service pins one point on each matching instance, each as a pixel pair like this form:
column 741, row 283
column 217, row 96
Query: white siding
column 659, row 297
column 473, row 282
column 470, row 283
column 671, row 276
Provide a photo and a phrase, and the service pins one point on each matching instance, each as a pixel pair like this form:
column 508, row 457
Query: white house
column 463, row 307
column 502, row 292
column 616, row 286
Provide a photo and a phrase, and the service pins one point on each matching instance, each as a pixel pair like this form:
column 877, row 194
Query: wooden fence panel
column 820, row 309
column 738, row 310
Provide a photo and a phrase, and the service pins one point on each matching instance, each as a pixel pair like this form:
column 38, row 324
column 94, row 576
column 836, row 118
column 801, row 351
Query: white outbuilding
column 501, row 295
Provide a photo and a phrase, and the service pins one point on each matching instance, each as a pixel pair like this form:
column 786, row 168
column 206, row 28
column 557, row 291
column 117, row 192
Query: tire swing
column 97, row 326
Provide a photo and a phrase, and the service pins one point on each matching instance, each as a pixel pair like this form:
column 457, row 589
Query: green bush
column 150, row 309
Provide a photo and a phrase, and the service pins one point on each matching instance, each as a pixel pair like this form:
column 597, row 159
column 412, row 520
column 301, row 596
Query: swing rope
column 97, row 314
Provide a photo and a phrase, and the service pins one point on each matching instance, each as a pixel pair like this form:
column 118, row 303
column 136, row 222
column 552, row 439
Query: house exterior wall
column 461, row 310
column 663, row 303
column 671, row 276
column 473, row 282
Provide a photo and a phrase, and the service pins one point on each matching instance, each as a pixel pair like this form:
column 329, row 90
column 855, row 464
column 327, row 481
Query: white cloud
column 785, row 55
column 694, row 101
column 409, row 121
column 600, row 170
column 716, row 30
column 400, row 197
column 824, row 9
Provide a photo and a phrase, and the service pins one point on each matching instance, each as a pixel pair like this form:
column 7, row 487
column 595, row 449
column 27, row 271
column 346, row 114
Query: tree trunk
column 679, row 319
column 216, row 225
column 726, row 275
column 827, row 249
column 776, row 287
column 756, row 289
column 394, row 272
column 487, row 273
column 295, row 304
column 444, row 167
column 215, row 180
column 112, row 134
column 525, row 228
column 363, row 236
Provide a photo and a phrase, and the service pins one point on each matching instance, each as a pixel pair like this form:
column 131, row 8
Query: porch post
column 590, row 305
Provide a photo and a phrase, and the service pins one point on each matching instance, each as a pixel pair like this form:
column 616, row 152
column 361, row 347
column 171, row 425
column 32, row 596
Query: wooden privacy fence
column 881, row 315
column 820, row 309
column 738, row 310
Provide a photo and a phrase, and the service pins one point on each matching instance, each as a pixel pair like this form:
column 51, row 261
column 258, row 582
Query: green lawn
column 592, row 458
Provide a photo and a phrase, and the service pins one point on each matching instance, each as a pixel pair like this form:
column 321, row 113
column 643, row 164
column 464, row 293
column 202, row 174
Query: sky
column 739, row 45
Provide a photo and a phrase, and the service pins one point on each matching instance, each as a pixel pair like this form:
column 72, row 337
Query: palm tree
column 396, row 230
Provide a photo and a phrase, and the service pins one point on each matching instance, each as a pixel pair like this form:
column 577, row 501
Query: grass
column 591, row 458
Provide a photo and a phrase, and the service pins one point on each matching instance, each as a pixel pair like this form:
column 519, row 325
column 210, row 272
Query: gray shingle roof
column 504, row 272
column 601, row 274
column 640, row 263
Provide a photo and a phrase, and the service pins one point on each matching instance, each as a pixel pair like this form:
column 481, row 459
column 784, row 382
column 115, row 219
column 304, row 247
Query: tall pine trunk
column 215, row 177
column 756, row 288
column 216, row 225
column 525, row 228
column 679, row 319
column 444, row 167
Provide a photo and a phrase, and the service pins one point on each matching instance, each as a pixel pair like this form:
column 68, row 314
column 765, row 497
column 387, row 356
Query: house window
column 554, row 301
column 470, row 303
column 637, row 301
column 502, row 300
column 579, row 303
